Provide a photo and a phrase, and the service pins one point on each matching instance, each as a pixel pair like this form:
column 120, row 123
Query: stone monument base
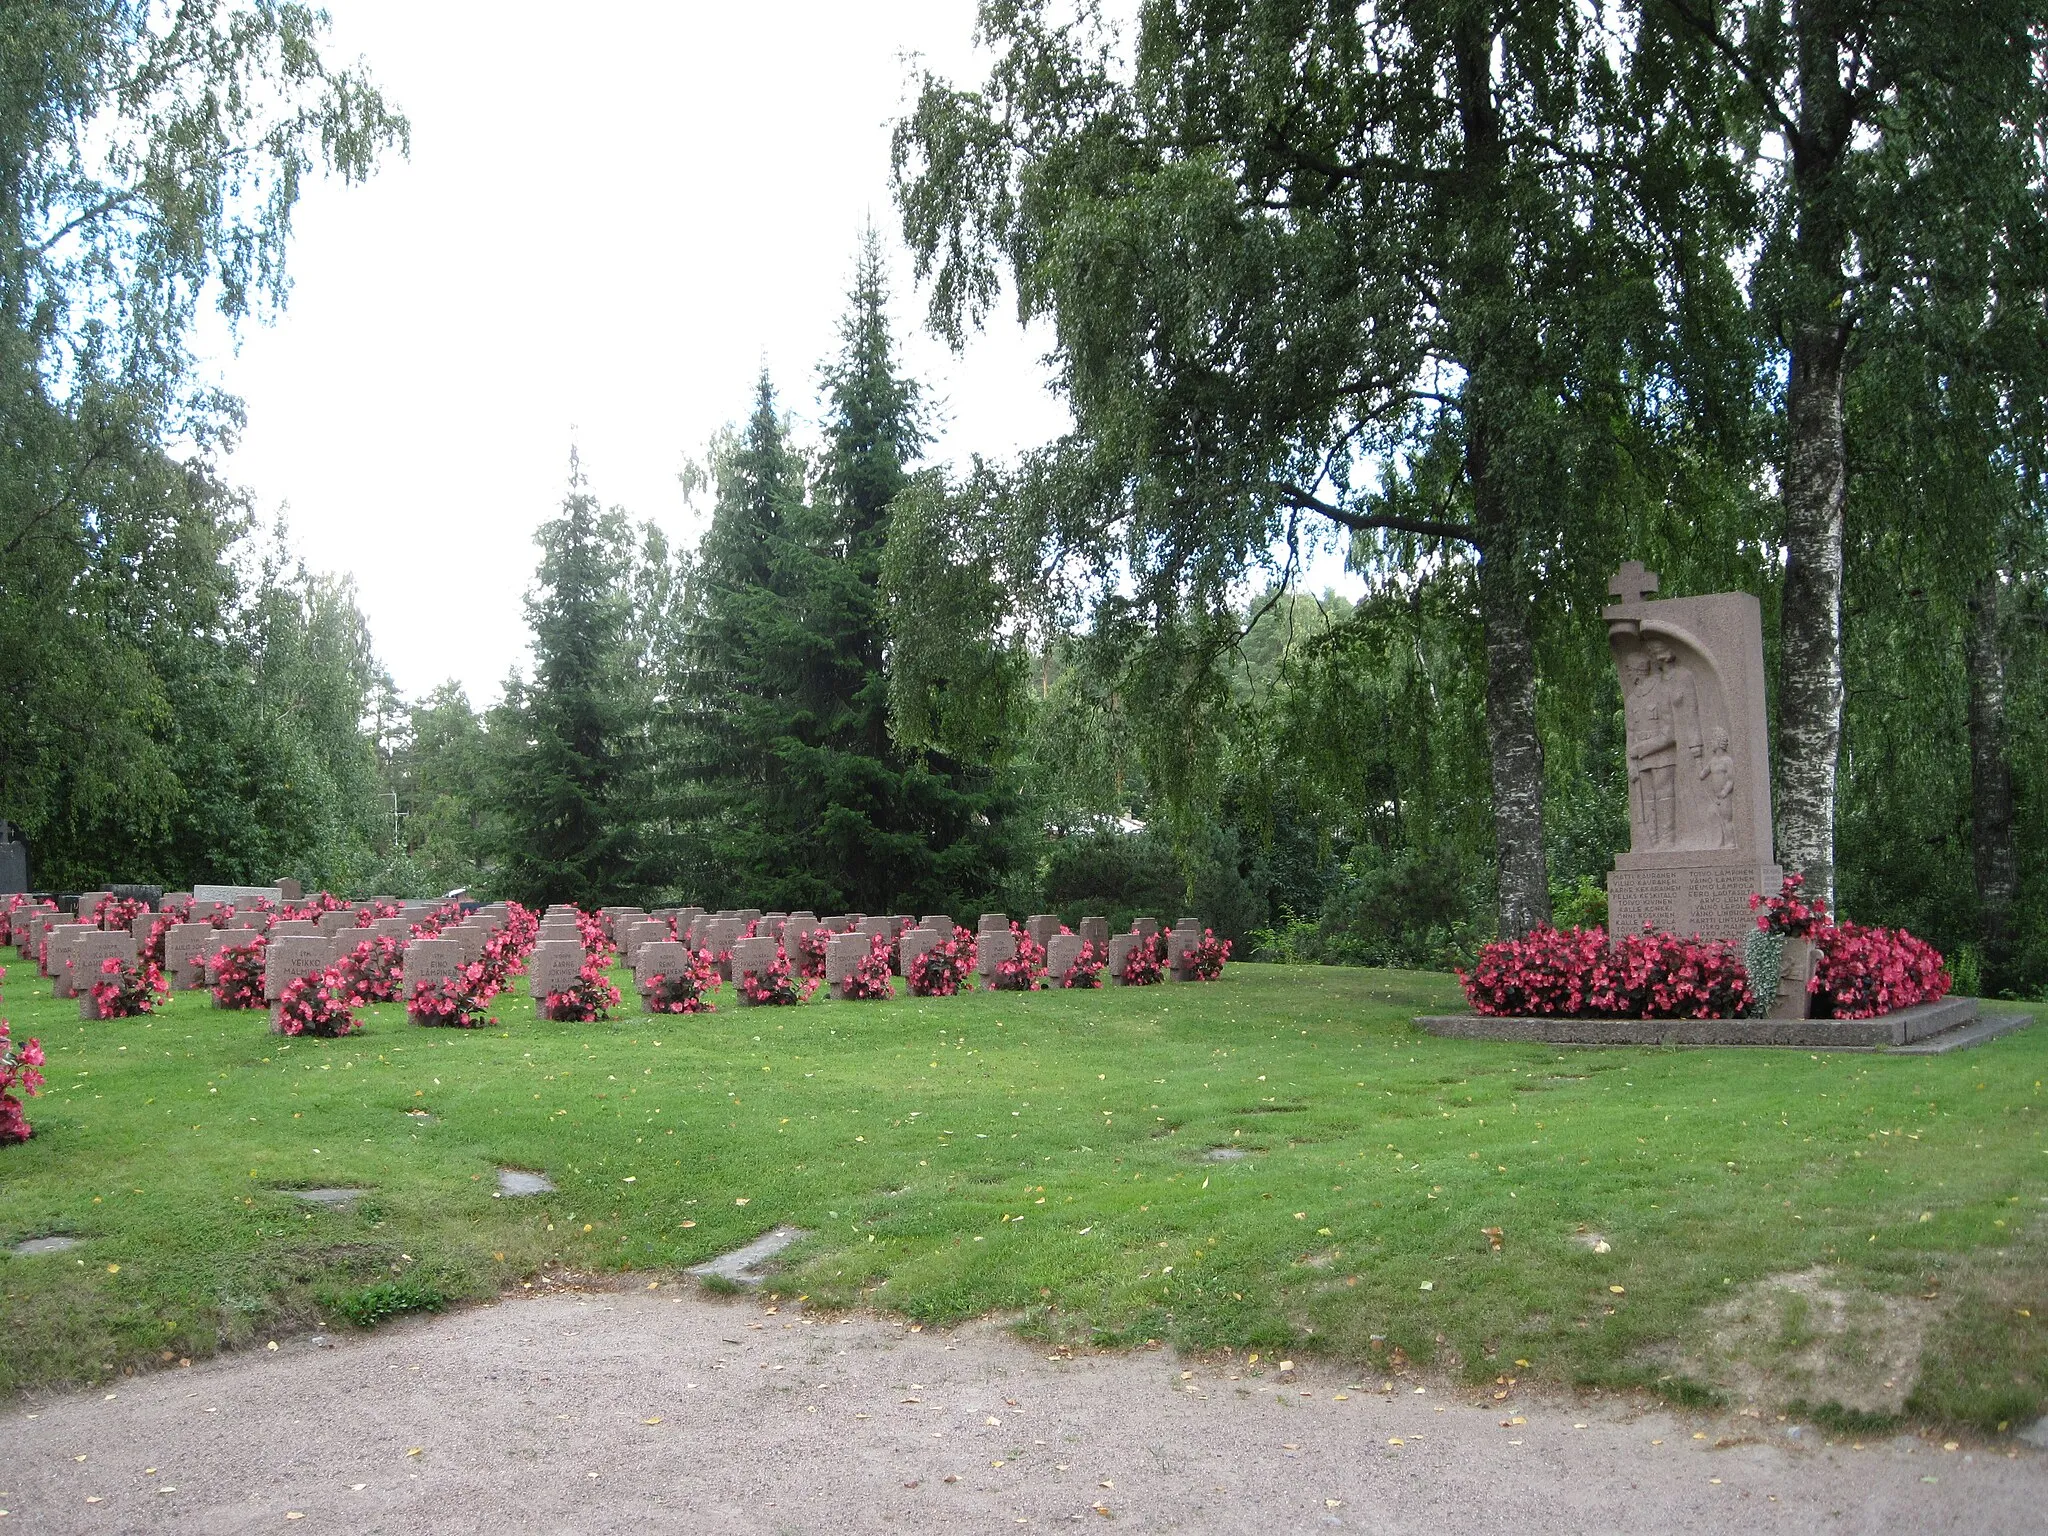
column 1704, row 891
column 1928, row 1028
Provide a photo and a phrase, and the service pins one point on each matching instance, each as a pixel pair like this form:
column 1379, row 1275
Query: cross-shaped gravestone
column 1632, row 583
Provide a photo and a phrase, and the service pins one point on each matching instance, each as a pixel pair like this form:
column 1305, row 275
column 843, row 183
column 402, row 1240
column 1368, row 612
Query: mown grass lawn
column 1047, row 1156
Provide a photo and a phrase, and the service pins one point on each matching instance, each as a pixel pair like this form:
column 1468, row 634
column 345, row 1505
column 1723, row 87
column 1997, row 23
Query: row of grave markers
column 646, row 947
column 296, row 948
column 293, row 947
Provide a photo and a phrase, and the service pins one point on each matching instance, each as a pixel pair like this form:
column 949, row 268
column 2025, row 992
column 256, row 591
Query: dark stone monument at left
column 13, row 862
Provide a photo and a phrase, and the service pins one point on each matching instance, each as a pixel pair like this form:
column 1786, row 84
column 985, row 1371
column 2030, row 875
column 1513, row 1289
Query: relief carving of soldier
column 1662, row 716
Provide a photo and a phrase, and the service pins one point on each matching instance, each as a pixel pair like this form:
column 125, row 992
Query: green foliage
column 568, row 806
column 171, row 716
column 386, row 1299
column 793, row 792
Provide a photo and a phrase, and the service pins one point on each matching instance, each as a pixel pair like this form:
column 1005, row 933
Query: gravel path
column 662, row 1409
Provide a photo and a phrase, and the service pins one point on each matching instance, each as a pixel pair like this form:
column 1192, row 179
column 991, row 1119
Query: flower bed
column 454, row 1002
column 1207, row 958
column 686, row 991
column 1577, row 973
column 237, row 972
column 322, row 1004
column 375, row 970
column 811, row 945
column 871, row 977
column 128, row 989
column 777, row 986
column 591, row 998
column 1859, row 972
column 1024, row 971
column 20, row 1079
column 1086, row 971
column 944, row 970
column 1145, row 966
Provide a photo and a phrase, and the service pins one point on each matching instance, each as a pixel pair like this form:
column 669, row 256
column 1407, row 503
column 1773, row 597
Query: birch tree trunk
column 1514, row 748
column 1994, row 853
column 1809, row 744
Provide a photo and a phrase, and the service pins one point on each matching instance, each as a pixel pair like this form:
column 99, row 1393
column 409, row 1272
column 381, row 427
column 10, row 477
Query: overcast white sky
column 614, row 213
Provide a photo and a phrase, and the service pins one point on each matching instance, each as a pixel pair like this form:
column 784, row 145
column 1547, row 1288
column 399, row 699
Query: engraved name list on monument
column 1699, row 787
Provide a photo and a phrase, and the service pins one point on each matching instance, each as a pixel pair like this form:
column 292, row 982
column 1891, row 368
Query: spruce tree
column 799, row 798
column 569, row 821
column 889, row 828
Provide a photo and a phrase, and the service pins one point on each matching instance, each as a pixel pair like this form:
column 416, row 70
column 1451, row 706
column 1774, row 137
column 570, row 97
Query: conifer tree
column 803, row 799
column 568, row 819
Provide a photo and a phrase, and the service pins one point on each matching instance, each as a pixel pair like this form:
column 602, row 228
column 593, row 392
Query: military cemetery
column 947, row 767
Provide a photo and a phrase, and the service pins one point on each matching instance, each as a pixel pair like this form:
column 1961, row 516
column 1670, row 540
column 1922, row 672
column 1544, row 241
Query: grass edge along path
column 1279, row 1163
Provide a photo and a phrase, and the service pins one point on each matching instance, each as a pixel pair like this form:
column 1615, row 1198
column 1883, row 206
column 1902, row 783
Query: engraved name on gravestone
column 843, row 952
column 554, row 966
column 94, row 948
column 919, row 941
column 1699, row 780
column 185, row 946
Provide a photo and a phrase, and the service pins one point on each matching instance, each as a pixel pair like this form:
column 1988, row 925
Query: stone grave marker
column 398, row 928
column 290, row 890
column 95, row 947
column 553, row 966
column 1042, row 927
column 1692, row 684
column 992, row 949
column 331, row 923
column 294, row 927
column 1061, row 951
column 490, row 922
column 286, row 959
column 1094, row 930
column 468, row 941
column 1146, row 927
column 1120, row 947
column 916, row 942
column 843, row 952
column 431, row 960
column 238, row 895
column 940, row 921
column 803, row 922
column 185, row 947
column 638, row 933
column 752, row 956
column 63, row 940
column 993, row 922
column 89, row 906
column 1180, row 946
column 203, row 911
column 659, row 957
column 875, row 928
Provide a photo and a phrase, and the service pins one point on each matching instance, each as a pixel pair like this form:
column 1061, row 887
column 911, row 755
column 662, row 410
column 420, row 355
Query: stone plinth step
column 1927, row 1029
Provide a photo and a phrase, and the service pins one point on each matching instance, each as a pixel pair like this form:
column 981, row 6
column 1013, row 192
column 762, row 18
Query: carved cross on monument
column 1632, row 583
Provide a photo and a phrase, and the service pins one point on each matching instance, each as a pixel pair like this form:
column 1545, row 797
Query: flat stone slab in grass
column 738, row 1266
column 35, row 1245
column 1225, row 1155
column 327, row 1197
column 2036, row 1435
column 1926, row 1029
column 514, row 1181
